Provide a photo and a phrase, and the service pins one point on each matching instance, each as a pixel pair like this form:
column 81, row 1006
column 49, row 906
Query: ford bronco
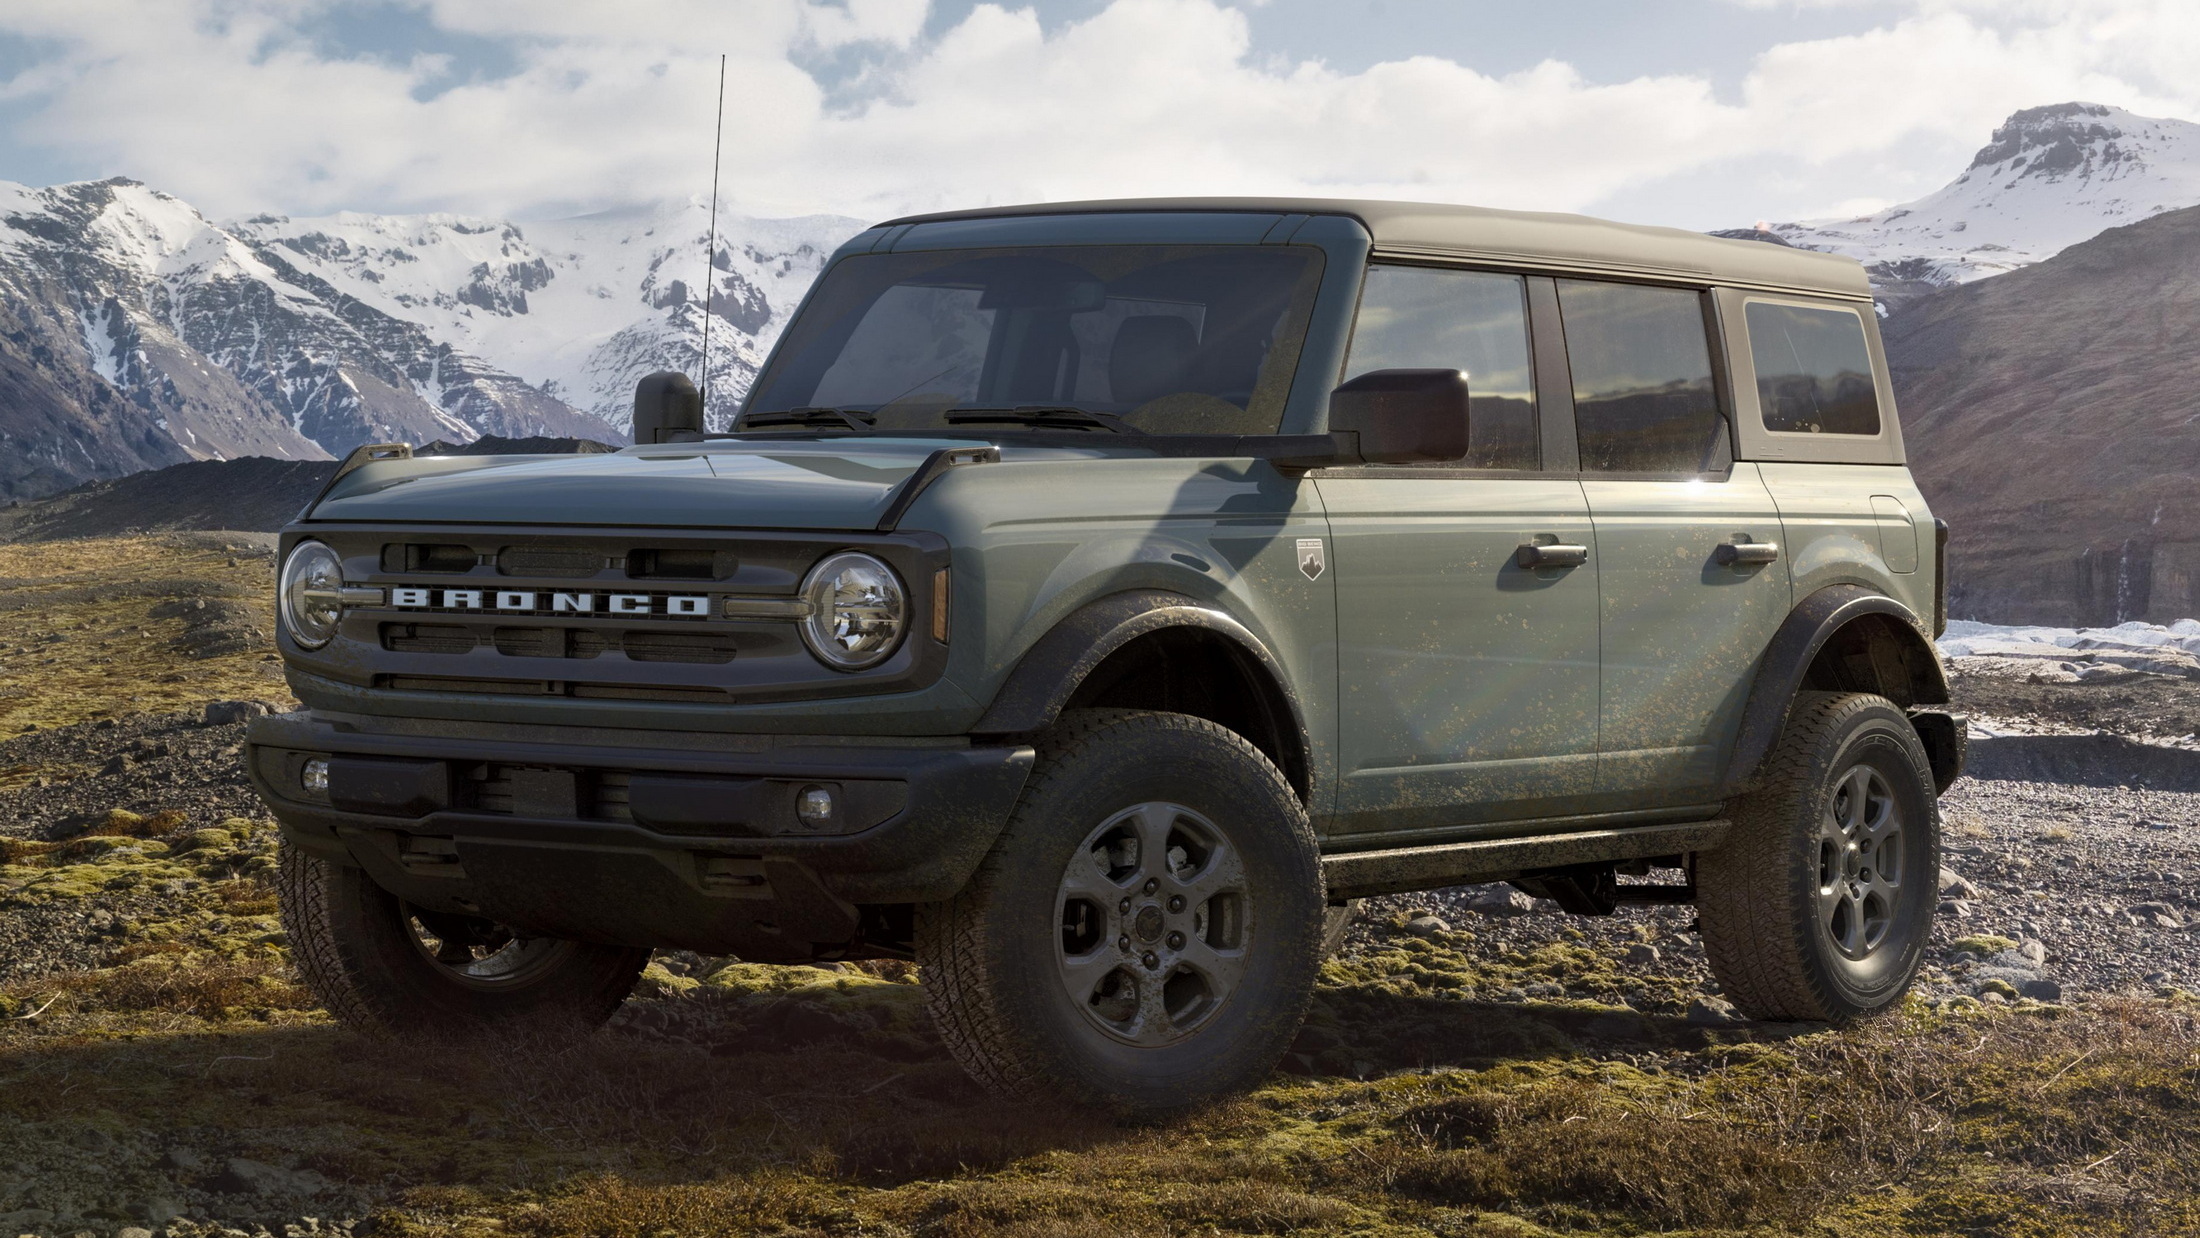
column 1090, row 601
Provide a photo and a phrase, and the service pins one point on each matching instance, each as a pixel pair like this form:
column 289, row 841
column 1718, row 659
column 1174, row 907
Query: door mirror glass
column 1404, row 416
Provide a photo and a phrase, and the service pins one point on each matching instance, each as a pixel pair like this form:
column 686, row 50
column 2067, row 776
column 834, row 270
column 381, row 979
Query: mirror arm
column 1296, row 453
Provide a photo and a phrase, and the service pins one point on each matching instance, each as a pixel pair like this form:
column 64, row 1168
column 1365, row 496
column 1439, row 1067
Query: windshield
column 1163, row 339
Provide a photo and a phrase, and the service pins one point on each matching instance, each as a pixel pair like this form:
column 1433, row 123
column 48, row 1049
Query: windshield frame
column 1343, row 245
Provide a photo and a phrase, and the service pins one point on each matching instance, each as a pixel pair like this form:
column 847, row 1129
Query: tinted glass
column 1175, row 339
column 1814, row 374
column 1421, row 318
column 1643, row 399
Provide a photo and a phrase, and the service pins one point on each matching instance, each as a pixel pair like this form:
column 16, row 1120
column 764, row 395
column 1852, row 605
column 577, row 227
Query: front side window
column 1643, row 396
column 1171, row 339
column 1428, row 318
column 1814, row 372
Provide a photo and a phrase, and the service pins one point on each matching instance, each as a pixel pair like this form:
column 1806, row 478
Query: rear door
column 1467, row 684
column 1693, row 580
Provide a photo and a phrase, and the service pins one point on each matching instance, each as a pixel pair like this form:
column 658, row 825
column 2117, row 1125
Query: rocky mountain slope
column 2052, row 419
column 2049, row 178
column 136, row 333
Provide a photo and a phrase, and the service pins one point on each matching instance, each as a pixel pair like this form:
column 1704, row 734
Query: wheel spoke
column 1153, row 1025
column 1858, row 786
column 1223, row 873
column 1222, row 968
column 1082, row 973
column 1087, row 877
column 1154, row 821
column 1831, row 899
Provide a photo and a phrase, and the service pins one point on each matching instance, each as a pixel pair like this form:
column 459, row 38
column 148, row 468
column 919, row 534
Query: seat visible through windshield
column 1169, row 339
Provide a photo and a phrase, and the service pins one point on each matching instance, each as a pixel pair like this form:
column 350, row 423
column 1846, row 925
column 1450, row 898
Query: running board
column 1357, row 874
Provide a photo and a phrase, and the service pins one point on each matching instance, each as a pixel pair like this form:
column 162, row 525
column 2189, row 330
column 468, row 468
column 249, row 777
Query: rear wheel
column 1146, row 932
column 1820, row 903
column 383, row 966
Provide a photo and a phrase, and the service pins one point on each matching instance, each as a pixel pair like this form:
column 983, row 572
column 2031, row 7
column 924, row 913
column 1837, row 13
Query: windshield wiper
column 832, row 418
column 1048, row 416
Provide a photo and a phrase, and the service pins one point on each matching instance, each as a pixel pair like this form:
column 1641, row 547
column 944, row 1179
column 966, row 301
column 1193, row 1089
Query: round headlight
column 858, row 611
column 312, row 594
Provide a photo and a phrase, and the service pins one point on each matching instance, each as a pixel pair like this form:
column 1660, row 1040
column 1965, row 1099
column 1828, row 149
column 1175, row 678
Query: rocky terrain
column 1476, row 1063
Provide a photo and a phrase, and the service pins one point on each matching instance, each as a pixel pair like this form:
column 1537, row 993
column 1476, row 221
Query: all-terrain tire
column 1784, row 928
column 350, row 941
column 996, row 957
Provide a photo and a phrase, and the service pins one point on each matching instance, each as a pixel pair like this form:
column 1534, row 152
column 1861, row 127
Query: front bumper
column 607, row 835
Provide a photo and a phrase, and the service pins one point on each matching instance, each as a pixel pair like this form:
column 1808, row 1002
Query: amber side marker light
column 939, row 606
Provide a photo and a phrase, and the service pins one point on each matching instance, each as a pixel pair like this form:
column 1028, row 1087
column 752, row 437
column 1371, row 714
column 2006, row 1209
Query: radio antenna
column 710, row 245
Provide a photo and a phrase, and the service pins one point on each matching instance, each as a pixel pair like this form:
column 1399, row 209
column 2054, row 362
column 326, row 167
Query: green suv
column 1092, row 600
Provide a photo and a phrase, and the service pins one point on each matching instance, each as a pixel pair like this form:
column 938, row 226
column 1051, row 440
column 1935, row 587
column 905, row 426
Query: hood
column 815, row 484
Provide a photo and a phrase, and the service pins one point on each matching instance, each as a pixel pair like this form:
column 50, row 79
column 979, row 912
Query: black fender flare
column 1787, row 660
column 1049, row 674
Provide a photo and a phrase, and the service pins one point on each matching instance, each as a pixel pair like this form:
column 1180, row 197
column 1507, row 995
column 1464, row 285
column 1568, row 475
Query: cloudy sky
column 1701, row 113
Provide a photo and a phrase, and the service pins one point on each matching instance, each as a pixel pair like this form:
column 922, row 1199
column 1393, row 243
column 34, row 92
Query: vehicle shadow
column 844, row 1081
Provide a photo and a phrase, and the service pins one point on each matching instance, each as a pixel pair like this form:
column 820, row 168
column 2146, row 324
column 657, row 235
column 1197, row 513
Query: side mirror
column 667, row 409
column 1403, row 416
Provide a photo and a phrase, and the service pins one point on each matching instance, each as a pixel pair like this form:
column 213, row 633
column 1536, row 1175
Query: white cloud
column 226, row 103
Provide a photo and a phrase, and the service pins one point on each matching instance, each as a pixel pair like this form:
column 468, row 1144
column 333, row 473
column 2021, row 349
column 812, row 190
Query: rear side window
column 1643, row 397
column 1425, row 318
column 1814, row 373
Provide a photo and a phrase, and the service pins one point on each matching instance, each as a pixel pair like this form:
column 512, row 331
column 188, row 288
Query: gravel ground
column 69, row 778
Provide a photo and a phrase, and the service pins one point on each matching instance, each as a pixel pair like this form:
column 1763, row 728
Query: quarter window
column 1643, row 396
column 1427, row 318
column 1814, row 372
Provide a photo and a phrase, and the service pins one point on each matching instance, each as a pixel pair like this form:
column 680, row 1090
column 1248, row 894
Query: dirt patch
column 2133, row 704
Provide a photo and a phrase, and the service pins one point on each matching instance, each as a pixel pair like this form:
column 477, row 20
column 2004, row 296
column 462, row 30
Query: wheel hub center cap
column 1852, row 861
column 1148, row 923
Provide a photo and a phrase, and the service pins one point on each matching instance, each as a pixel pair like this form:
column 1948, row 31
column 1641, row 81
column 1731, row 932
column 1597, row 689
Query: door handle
column 1745, row 554
column 1557, row 554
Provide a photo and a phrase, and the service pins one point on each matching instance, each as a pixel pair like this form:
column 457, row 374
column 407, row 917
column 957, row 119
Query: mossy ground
column 77, row 641
column 735, row 1098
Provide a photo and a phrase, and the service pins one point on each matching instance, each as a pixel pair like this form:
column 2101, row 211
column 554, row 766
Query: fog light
column 816, row 806
column 314, row 778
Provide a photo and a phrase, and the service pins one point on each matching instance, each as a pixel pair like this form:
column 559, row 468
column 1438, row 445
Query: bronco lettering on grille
column 528, row 602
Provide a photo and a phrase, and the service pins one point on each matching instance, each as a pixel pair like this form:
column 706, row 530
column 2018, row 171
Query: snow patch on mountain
column 2050, row 177
column 578, row 308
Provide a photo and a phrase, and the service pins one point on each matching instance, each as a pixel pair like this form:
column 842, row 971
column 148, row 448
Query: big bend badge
column 1311, row 561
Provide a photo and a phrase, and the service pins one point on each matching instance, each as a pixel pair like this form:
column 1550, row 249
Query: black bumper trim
column 959, row 798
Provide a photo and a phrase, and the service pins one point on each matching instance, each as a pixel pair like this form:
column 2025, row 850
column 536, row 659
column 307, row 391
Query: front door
column 1694, row 582
column 1467, row 683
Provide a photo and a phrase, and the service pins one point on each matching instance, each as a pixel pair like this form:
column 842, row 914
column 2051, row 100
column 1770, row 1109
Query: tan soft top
column 1522, row 238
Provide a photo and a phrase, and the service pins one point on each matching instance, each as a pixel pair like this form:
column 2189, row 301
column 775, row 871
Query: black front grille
column 550, row 687
column 662, row 615
column 545, row 791
column 555, row 561
column 694, row 648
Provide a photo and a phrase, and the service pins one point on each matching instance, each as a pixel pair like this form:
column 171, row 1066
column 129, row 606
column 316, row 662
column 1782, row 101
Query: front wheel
column 1145, row 934
column 385, row 967
column 1821, row 901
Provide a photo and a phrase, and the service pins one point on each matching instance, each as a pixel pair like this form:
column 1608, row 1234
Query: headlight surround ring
column 312, row 594
column 859, row 611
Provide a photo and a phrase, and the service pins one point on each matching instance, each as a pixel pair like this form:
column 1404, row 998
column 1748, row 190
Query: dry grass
column 2041, row 1122
column 114, row 659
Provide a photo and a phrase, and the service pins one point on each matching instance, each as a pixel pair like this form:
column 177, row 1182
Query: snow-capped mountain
column 135, row 332
column 2050, row 178
column 579, row 308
